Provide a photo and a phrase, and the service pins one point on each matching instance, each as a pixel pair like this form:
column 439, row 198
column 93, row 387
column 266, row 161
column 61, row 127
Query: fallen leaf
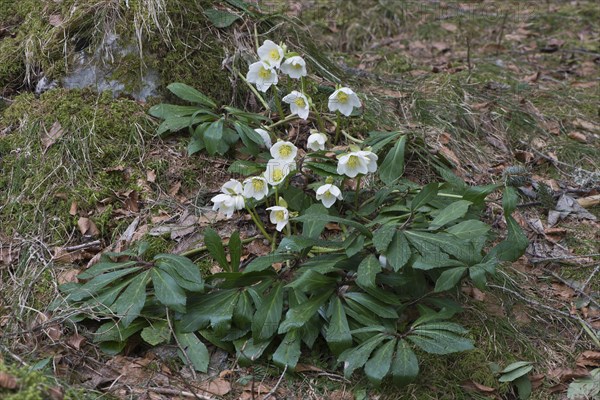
column 175, row 189
column 56, row 393
column 589, row 358
column 578, row 136
column 87, row 227
column 132, row 201
column 73, row 209
column 7, row 381
column 49, row 138
column 566, row 374
column 586, row 125
column 307, row 368
column 218, row 386
column 472, row 385
column 68, row 276
column 151, row 176
column 75, row 341
column 536, row 380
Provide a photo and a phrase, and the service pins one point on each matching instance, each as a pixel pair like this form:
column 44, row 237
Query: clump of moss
column 96, row 156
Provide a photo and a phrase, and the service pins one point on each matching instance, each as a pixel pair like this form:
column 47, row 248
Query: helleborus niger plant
column 364, row 262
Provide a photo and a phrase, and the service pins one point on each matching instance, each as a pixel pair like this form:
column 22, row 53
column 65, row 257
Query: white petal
column 265, row 137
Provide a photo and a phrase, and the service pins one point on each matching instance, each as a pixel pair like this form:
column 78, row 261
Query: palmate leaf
column 130, row 303
column 383, row 237
column 370, row 303
column 167, row 291
column 182, row 269
column 405, row 365
column 209, row 309
column 213, row 138
column 338, row 335
column 330, row 218
column 367, row 271
column 265, row 262
column 249, row 350
column 392, row 167
column 452, row 212
column 103, row 267
column 428, row 193
column 398, row 251
column 309, row 281
column 157, row 333
column 439, row 341
column 288, row 353
column 244, row 310
column 513, row 246
column 356, row 357
column 379, row 364
column 299, row 315
column 449, row 279
column 268, row 314
column 98, row 283
column 215, row 247
column 194, row 349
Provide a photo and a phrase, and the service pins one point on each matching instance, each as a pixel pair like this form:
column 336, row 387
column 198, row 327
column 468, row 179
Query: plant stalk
column 338, row 128
column 259, row 224
column 253, row 89
column 278, row 103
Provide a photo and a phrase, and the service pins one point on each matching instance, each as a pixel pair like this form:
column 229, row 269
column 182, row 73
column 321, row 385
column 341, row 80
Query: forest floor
column 484, row 85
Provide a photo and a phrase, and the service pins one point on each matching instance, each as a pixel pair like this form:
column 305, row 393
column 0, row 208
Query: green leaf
column 99, row 282
column 524, row 387
column 510, row 199
column 116, row 332
column 452, row 212
column 220, row 18
column 428, row 193
column 242, row 314
column 513, row 246
column 130, row 303
column 449, row 278
column 249, row 351
column 268, row 314
column 103, row 267
column 439, row 342
column 244, row 133
column 235, row 250
column 212, row 308
column 515, row 365
column 164, row 111
column 383, row 237
column 182, row 269
column 264, row 262
column 214, row 245
column 469, row 229
column 330, row 218
column 431, row 244
column 195, row 350
column 367, row 271
column 405, row 366
column 357, row 357
column 213, row 138
column 370, row 303
column 399, row 251
column 299, row 315
column 392, row 166
column 313, row 229
column 354, row 244
column 379, row 365
column 515, row 371
column 167, row 291
column 288, row 353
column 310, row 281
column 245, row 167
column 157, row 333
column 338, row 335
column 585, row 388
column 443, row 326
column 190, row 94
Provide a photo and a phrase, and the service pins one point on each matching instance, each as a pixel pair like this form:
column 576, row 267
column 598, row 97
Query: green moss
column 96, row 157
column 157, row 245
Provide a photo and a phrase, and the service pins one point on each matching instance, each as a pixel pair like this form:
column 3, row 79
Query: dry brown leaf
column 563, row 291
column 73, row 209
column 341, row 394
column 175, row 189
column 55, row 20
column 75, row 341
column 449, row 26
column 68, row 276
column 450, row 156
column 472, row 385
column 578, row 136
column 151, row 176
column 307, row 368
column 218, row 387
column 258, row 248
column 8, row 381
column 524, row 156
column 87, row 227
column 49, row 138
column 589, row 358
column 537, row 380
column 132, row 201
column 56, row 393
column 567, row 374
column 586, row 125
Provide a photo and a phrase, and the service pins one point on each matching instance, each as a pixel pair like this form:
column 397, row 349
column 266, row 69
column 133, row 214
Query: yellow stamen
column 353, row 161
column 285, row 150
column 297, row 66
column 277, row 175
column 342, row 97
column 274, row 54
column 300, row 102
column 327, row 194
column 264, row 73
column 279, row 215
column 258, row 185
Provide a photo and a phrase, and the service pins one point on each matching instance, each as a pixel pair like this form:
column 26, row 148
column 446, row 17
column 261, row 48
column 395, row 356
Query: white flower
column 277, row 170
column 294, row 67
column 256, row 187
column 230, row 199
column 352, row 164
column 316, row 141
column 284, row 151
column 343, row 100
column 265, row 137
column 372, row 157
column 232, row 187
column 263, row 75
column 383, row 261
column 271, row 53
column 298, row 103
column 328, row 194
column 279, row 216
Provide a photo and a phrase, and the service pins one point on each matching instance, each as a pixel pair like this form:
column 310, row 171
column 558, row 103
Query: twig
column 176, row 392
column 538, row 260
column 578, row 290
column 589, row 279
column 583, row 323
column 272, row 392
column 83, row 246
column 185, row 354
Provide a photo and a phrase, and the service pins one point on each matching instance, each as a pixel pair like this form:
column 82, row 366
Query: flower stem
column 253, row 89
column 319, row 120
column 283, row 121
column 259, row 224
column 276, row 195
column 338, row 128
column 348, row 136
column 278, row 103
column 358, row 179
